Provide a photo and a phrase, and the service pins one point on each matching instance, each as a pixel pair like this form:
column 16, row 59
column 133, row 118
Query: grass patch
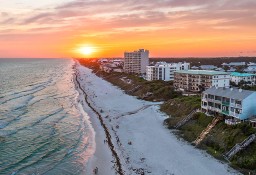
column 180, row 107
column 193, row 128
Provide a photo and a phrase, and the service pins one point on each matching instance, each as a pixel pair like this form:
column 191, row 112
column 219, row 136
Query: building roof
column 219, row 69
column 137, row 51
column 229, row 92
column 164, row 64
column 237, row 74
column 202, row 72
column 252, row 67
column 234, row 64
column 208, row 67
column 194, row 67
column 251, row 64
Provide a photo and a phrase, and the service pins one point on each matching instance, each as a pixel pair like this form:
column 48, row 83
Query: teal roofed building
column 234, row 104
column 249, row 79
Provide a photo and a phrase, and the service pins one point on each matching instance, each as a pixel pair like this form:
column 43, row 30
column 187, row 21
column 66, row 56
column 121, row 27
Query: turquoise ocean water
column 42, row 130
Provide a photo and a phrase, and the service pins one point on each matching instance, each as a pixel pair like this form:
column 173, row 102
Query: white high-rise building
column 136, row 62
column 165, row 71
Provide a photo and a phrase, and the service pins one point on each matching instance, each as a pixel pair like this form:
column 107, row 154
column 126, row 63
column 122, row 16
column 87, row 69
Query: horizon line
column 192, row 57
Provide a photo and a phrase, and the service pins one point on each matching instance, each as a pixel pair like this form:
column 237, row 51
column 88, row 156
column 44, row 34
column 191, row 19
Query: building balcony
column 232, row 105
column 226, row 103
column 205, row 99
column 238, row 106
column 214, row 109
column 217, row 101
column 210, row 100
column 211, row 108
column 204, row 107
column 225, row 112
column 218, row 110
column 233, row 114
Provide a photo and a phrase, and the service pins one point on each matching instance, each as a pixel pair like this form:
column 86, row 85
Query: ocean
column 42, row 127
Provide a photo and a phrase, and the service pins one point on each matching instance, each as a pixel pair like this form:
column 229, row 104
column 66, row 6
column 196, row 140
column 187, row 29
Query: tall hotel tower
column 136, row 62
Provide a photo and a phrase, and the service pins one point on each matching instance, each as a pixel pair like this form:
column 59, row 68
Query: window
column 218, row 98
column 211, row 104
column 238, row 111
column 225, row 108
column 217, row 106
column 238, row 102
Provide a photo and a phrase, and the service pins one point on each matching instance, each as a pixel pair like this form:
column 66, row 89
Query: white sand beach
column 142, row 143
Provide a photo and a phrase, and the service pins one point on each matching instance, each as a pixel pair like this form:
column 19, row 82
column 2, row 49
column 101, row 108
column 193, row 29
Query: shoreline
column 142, row 155
column 117, row 164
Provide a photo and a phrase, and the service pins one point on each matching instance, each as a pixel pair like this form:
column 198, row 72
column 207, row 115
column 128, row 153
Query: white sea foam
column 42, row 129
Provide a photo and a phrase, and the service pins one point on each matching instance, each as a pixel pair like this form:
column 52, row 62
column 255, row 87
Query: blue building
column 234, row 104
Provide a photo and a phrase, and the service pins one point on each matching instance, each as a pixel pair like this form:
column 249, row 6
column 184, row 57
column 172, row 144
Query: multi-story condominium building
column 229, row 102
column 237, row 77
column 199, row 80
column 164, row 71
column 136, row 62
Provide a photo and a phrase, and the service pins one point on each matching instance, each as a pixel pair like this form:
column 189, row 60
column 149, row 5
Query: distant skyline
column 107, row 28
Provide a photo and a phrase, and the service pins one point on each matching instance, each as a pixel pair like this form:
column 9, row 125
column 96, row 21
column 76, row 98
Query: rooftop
column 234, row 64
column 164, row 64
column 137, row 51
column 237, row 74
column 229, row 92
column 208, row 67
column 202, row 72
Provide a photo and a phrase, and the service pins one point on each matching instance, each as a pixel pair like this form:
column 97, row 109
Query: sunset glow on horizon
column 86, row 51
column 167, row 28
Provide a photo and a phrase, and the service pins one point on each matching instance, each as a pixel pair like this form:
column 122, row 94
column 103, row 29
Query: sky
column 167, row 28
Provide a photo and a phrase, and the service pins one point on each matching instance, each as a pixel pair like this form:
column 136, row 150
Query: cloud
column 133, row 13
column 97, row 18
column 37, row 18
column 7, row 21
column 3, row 14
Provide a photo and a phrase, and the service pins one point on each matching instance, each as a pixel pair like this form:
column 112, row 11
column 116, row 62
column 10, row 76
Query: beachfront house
column 251, row 64
column 232, row 103
column 232, row 69
column 250, row 69
column 111, row 67
column 219, row 69
column 194, row 67
column 164, row 71
column 234, row 64
column 249, row 79
column 199, row 80
column 208, row 67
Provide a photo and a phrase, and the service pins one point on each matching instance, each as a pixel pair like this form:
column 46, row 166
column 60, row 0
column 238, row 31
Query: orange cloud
column 167, row 28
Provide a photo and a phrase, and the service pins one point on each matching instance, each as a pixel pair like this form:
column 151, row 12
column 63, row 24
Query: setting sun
column 86, row 50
